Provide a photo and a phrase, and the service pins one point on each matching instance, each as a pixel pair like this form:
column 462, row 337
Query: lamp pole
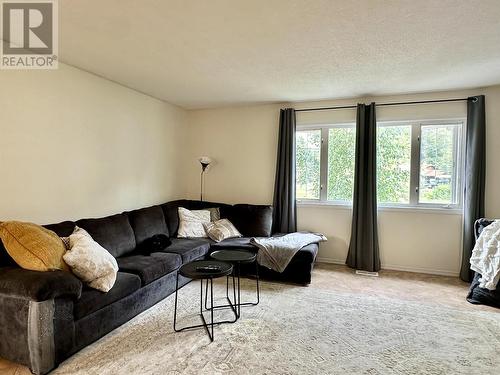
column 204, row 166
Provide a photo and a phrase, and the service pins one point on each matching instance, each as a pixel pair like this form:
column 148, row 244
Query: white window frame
column 416, row 131
column 323, row 183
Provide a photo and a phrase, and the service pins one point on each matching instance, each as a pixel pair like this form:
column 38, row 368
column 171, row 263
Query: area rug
column 300, row 330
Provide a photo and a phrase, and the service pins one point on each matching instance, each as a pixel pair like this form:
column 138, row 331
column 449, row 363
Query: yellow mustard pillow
column 33, row 247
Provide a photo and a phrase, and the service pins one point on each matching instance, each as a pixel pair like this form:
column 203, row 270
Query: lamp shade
column 205, row 160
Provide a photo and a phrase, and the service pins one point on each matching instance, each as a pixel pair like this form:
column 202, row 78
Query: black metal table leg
column 228, row 256
column 239, row 289
column 175, row 304
column 210, row 334
column 209, row 327
column 231, row 304
column 258, row 287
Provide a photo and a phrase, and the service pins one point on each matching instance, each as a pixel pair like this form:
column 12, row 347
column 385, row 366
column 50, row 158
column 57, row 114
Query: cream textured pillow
column 91, row 262
column 221, row 230
column 191, row 223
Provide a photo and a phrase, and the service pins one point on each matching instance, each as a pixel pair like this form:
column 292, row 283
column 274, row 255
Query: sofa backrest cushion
column 63, row 229
column 114, row 233
column 5, row 259
column 170, row 210
column 252, row 220
column 147, row 222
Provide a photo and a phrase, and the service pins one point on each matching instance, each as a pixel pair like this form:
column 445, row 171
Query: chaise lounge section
column 45, row 317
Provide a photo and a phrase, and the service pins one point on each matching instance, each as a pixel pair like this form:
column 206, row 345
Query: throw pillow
column 32, row 246
column 91, row 262
column 214, row 213
column 191, row 223
column 154, row 244
column 221, row 230
column 66, row 243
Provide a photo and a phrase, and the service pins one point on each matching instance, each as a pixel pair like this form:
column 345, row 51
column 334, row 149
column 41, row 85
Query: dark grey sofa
column 45, row 317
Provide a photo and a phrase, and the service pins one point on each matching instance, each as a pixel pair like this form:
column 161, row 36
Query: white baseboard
column 430, row 271
column 330, row 260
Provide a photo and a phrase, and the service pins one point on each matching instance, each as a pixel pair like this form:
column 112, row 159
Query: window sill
column 403, row 209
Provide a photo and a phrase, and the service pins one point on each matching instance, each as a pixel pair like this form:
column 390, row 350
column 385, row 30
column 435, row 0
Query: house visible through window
column 418, row 163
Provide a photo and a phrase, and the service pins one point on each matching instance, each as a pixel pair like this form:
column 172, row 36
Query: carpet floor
column 398, row 323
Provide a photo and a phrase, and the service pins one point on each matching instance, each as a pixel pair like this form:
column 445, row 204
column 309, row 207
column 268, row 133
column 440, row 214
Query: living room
column 310, row 118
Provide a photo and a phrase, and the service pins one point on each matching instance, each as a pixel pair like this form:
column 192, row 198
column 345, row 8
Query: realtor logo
column 29, row 34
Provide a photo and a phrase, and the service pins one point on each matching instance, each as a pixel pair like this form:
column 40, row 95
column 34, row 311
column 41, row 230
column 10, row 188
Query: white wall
column 243, row 141
column 74, row 145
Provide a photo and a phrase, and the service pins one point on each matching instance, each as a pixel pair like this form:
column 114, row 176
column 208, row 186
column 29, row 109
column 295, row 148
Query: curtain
column 363, row 248
column 285, row 205
column 474, row 182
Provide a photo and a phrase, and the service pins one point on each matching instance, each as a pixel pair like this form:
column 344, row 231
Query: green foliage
column 393, row 164
column 437, row 147
column 341, row 157
column 308, row 154
column 440, row 193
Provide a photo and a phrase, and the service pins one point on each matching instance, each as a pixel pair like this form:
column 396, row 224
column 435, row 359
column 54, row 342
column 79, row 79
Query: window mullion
column 456, row 166
column 324, row 164
column 416, row 131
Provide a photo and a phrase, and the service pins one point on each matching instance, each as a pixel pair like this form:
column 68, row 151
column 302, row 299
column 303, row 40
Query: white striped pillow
column 221, row 230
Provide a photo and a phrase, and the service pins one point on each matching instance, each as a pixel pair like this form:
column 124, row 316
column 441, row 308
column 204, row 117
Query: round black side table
column 237, row 258
column 205, row 270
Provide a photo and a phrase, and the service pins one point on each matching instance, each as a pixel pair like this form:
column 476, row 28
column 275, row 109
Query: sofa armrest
column 39, row 286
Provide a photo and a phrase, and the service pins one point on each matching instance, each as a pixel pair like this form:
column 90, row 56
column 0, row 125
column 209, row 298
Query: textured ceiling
column 228, row 52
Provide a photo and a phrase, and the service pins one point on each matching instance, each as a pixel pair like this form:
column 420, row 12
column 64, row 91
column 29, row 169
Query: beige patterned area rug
column 299, row 330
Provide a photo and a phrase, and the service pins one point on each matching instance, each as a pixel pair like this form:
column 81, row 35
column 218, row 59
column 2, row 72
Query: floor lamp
column 205, row 161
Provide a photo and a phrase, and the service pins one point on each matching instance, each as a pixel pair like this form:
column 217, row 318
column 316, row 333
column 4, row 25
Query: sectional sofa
column 45, row 317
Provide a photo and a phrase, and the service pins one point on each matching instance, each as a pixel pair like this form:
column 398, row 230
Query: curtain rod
column 383, row 104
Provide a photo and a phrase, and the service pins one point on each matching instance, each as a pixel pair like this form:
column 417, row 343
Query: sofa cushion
column 307, row 254
column 5, row 259
column 170, row 210
column 189, row 248
column 147, row 222
column 150, row 267
column 114, row 233
column 253, row 220
column 93, row 300
column 234, row 243
column 63, row 229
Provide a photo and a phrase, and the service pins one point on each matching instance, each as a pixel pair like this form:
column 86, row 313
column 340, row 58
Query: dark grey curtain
column 475, row 172
column 285, row 206
column 363, row 248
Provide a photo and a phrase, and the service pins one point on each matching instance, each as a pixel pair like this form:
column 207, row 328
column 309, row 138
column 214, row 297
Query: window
column 341, row 155
column 308, row 151
column 418, row 163
column 325, row 163
column 393, row 164
column 439, row 164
